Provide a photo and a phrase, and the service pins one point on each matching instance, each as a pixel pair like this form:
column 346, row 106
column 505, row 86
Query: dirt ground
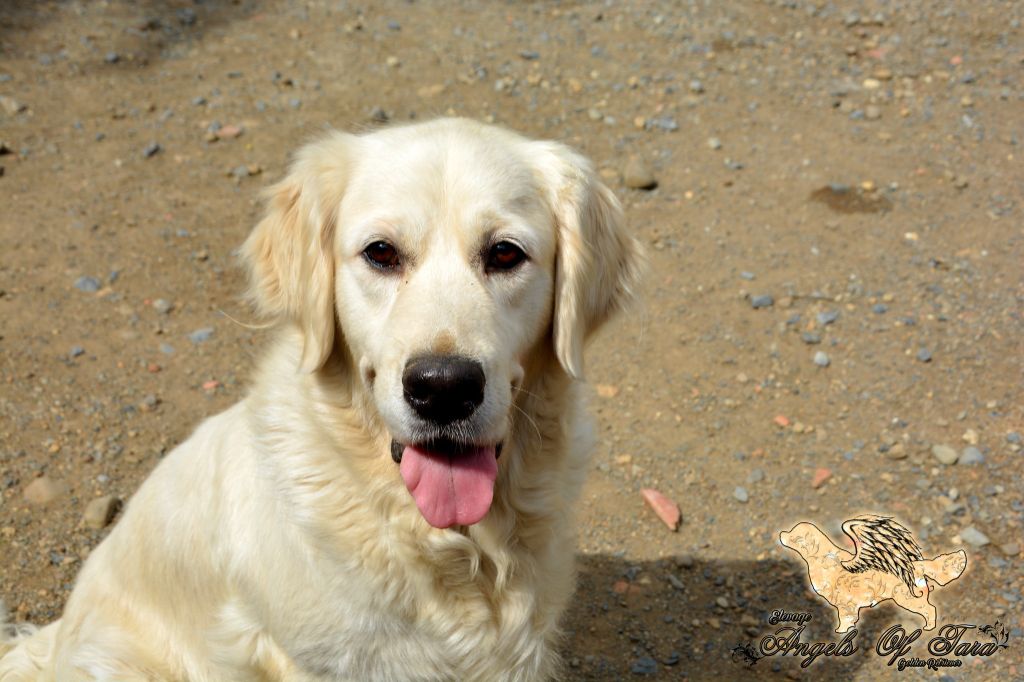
column 836, row 287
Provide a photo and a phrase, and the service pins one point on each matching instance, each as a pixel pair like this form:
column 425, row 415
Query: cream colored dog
column 392, row 501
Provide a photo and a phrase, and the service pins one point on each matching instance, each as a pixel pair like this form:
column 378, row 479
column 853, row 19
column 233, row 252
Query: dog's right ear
column 290, row 255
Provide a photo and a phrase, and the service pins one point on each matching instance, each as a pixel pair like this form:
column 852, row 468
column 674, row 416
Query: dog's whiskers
column 533, row 422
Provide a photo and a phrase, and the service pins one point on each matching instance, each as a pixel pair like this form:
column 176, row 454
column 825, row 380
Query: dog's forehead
column 458, row 164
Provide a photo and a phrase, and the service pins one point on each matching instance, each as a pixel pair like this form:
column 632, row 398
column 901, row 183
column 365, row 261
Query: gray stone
column 810, row 338
column 162, row 306
column 76, row 351
column 945, row 454
column 971, row 455
column 740, row 493
column 666, row 123
column 755, row 476
column 974, row 537
column 200, row 335
column 151, row 150
column 821, row 359
column 87, row 284
column 827, row 317
column 924, row 355
column 762, row 301
column 645, row 665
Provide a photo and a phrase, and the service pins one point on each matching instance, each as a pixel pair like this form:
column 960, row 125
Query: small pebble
column 827, row 317
column 762, row 301
column 101, row 511
column 971, row 455
column 974, row 537
column 151, row 150
column 76, row 351
column 1010, row 548
column 714, row 143
column 637, row 175
column 645, row 665
column 879, row 309
column 89, row 285
column 810, row 338
column 665, row 123
column 821, row 474
column 43, row 490
column 821, row 359
column 755, row 476
column 924, row 355
column 162, row 306
column 200, row 335
column 666, row 509
column 740, row 493
column 945, row 454
column 112, row 58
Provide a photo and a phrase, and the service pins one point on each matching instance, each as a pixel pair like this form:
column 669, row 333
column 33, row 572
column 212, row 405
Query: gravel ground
column 831, row 194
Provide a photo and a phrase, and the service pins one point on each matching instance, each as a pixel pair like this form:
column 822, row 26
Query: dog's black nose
column 443, row 388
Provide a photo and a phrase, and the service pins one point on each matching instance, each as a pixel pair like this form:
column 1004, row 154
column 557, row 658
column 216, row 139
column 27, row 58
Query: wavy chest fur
column 385, row 595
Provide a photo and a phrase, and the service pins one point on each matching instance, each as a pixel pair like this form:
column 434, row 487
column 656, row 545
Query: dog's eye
column 382, row 255
column 504, row 256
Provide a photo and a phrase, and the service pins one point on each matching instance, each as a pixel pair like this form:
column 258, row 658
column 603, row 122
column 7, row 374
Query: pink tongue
column 449, row 490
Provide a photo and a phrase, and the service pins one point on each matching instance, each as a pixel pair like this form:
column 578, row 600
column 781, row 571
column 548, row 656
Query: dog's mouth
column 452, row 483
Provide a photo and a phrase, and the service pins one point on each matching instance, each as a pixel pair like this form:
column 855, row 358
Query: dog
column 888, row 564
column 393, row 498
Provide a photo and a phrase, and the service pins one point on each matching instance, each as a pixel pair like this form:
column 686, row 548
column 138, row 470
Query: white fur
column 279, row 542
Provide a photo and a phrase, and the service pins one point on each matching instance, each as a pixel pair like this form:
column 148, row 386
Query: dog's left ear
column 598, row 262
column 290, row 254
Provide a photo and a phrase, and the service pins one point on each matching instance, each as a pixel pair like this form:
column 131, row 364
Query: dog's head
column 442, row 256
column 805, row 538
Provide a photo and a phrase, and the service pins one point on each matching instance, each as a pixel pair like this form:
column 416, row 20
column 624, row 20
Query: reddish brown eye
column 504, row 256
column 382, row 255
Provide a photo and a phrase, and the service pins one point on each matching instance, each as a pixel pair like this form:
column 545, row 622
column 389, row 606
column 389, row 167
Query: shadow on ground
column 121, row 33
column 680, row 618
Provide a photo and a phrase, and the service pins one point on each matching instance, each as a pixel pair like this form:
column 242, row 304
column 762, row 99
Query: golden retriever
column 392, row 500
